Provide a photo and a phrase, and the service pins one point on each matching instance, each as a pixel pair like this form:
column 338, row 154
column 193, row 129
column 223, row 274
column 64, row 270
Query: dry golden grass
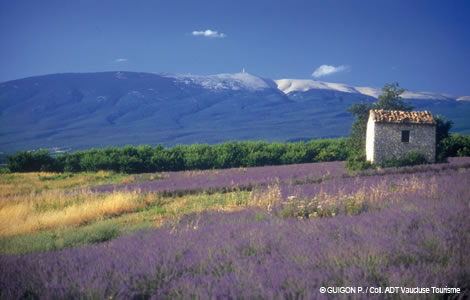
column 201, row 202
column 36, row 209
column 56, row 209
column 323, row 203
column 269, row 198
column 26, row 183
column 170, row 209
column 36, row 201
column 380, row 194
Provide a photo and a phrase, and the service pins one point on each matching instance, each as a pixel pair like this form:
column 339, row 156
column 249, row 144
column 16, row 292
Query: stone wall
column 387, row 141
column 370, row 140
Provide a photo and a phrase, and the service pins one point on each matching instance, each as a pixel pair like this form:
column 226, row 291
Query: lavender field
column 187, row 181
column 310, row 226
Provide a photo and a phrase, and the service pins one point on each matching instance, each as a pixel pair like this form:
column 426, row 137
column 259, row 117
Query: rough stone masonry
column 393, row 133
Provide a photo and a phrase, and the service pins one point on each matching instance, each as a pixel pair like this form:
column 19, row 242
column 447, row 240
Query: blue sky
column 422, row 44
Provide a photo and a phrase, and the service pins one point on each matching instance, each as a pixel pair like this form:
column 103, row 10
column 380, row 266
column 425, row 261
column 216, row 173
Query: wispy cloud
column 325, row 70
column 120, row 60
column 209, row 33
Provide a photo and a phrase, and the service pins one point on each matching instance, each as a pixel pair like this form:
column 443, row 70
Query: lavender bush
column 230, row 178
column 413, row 232
column 250, row 177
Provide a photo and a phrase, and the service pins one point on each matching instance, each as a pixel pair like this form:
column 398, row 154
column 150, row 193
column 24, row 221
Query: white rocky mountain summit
column 245, row 80
column 303, row 85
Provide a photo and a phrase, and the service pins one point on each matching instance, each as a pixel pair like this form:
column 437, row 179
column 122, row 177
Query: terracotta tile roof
column 402, row 117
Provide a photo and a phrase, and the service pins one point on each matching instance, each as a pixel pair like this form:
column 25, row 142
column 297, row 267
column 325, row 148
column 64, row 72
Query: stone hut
column 392, row 133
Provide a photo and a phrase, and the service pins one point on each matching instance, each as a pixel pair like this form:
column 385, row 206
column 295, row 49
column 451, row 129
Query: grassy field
column 46, row 211
column 16, row 184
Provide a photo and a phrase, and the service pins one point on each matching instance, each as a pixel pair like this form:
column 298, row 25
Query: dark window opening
column 405, row 136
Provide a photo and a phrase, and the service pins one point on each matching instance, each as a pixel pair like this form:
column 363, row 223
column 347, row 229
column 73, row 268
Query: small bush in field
column 412, row 158
column 103, row 233
column 353, row 206
column 358, row 162
column 306, row 208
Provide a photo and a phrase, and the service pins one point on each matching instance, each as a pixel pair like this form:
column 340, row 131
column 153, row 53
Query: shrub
column 102, row 233
column 71, row 162
column 5, row 171
column 28, row 161
column 130, row 159
column 353, row 206
column 358, row 162
column 412, row 158
column 453, row 145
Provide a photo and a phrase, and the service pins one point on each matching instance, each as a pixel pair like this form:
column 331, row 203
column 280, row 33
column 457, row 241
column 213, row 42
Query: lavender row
column 347, row 186
column 420, row 241
column 353, row 196
column 243, row 177
column 236, row 177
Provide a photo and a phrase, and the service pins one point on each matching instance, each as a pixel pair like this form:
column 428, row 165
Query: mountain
column 453, row 108
column 303, row 85
column 85, row 110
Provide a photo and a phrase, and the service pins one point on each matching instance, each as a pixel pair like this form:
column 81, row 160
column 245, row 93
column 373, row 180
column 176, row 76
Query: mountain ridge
column 85, row 110
column 303, row 85
column 293, row 85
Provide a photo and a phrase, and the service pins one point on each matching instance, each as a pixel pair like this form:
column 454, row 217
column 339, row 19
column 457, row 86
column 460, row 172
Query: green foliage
column 353, row 206
column 360, row 111
column 453, row 145
column 59, row 239
column 358, row 162
column 412, row 158
column 62, row 176
column 102, row 233
column 198, row 157
column 144, row 158
column 389, row 100
column 28, row 161
column 443, row 127
column 5, row 171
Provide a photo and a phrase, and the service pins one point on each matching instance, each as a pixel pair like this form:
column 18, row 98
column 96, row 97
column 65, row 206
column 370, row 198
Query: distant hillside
column 81, row 111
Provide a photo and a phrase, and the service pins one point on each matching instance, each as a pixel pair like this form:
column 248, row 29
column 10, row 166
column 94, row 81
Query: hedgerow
column 144, row 158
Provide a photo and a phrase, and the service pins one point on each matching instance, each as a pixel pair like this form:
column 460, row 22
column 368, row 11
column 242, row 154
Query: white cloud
column 119, row 60
column 209, row 33
column 325, row 70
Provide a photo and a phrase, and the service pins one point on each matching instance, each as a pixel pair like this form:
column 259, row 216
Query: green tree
column 71, row 161
column 32, row 161
column 389, row 100
column 198, row 157
column 357, row 138
column 145, row 153
column 228, row 155
column 295, row 153
column 443, row 127
column 161, row 160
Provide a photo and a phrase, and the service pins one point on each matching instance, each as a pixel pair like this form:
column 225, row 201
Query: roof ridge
column 402, row 117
